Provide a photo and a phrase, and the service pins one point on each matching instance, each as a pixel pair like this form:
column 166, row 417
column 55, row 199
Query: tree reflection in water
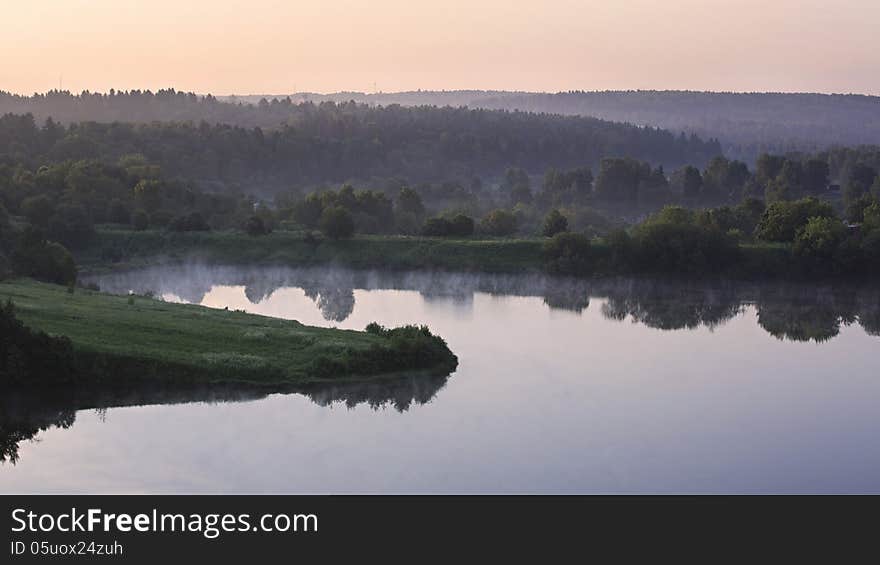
column 26, row 413
column 791, row 311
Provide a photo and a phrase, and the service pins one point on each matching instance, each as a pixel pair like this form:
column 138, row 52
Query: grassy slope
column 164, row 340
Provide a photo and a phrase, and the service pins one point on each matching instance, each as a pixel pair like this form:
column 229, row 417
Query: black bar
column 370, row 527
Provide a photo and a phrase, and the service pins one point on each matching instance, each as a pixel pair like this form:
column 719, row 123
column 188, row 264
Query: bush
column 44, row 260
column 458, row 226
column 568, row 254
column 819, row 238
column 189, row 222
column 687, row 248
column 404, row 348
column 499, row 223
column 781, row 220
column 27, row 356
column 255, row 226
column 620, row 250
column 461, row 225
column 437, row 227
column 71, row 226
column 554, row 223
column 38, row 210
column 337, row 223
column 140, row 220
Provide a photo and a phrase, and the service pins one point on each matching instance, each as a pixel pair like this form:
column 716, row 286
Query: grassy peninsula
column 117, row 339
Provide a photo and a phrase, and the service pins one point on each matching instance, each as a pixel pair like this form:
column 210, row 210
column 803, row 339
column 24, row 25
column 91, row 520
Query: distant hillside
column 280, row 144
column 746, row 123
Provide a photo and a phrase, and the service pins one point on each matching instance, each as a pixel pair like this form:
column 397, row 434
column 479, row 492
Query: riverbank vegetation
column 454, row 189
column 52, row 335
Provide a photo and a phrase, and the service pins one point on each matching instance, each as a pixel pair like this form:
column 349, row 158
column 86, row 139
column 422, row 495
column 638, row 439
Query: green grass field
column 139, row 337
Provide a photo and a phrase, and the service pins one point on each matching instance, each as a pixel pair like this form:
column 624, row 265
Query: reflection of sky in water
column 544, row 400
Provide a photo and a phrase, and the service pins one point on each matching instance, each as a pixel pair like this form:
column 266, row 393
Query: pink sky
column 271, row 46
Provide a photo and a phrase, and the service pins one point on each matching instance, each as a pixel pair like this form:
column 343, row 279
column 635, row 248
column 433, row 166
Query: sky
column 279, row 47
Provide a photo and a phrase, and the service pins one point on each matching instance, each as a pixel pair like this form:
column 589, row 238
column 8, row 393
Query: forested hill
column 282, row 144
column 746, row 123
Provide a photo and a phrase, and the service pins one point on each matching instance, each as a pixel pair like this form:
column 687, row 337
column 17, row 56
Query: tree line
column 303, row 144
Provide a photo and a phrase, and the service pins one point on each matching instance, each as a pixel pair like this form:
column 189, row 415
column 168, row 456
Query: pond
column 563, row 386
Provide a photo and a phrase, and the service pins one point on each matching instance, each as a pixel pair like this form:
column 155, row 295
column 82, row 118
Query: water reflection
column 788, row 311
column 26, row 413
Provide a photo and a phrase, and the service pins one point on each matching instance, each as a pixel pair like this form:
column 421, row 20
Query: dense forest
column 280, row 144
column 339, row 169
column 746, row 123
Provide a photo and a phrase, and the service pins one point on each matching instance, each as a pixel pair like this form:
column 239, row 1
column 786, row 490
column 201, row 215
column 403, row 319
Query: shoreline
column 116, row 249
column 129, row 339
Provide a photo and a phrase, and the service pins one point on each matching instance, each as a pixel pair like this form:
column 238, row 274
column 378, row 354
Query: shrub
column 337, row 223
column 781, row 220
column 819, row 237
column 568, row 254
column 437, row 227
column 71, row 226
column 554, row 223
column 668, row 247
column 27, row 356
column 43, row 260
column 461, row 225
column 38, row 210
column 499, row 223
column 255, row 226
column 189, row 222
column 403, row 348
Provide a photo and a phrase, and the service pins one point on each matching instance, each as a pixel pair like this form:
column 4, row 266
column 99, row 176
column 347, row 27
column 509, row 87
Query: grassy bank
column 124, row 248
column 119, row 338
column 292, row 248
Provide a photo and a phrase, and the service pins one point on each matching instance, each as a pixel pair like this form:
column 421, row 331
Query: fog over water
column 609, row 385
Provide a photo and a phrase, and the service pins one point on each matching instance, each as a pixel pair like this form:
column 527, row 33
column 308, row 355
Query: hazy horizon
column 274, row 48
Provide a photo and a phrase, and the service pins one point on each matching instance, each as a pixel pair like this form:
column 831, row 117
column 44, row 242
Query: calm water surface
column 610, row 386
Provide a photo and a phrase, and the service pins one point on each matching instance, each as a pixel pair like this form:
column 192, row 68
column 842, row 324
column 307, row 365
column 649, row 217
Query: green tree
column 461, row 225
column 255, row 226
column 308, row 211
column 782, row 220
column 409, row 202
column 518, row 186
column 38, row 210
column 861, row 179
column 768, row 167
column 148, row 195
column 817, row 242
column 71, row 225
column 568, row 253
column 554, row 223
column 816, row 173
column 337, row 223
column 688, row 182
column 437, row 227
column 618, row 180
column 498, row 222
